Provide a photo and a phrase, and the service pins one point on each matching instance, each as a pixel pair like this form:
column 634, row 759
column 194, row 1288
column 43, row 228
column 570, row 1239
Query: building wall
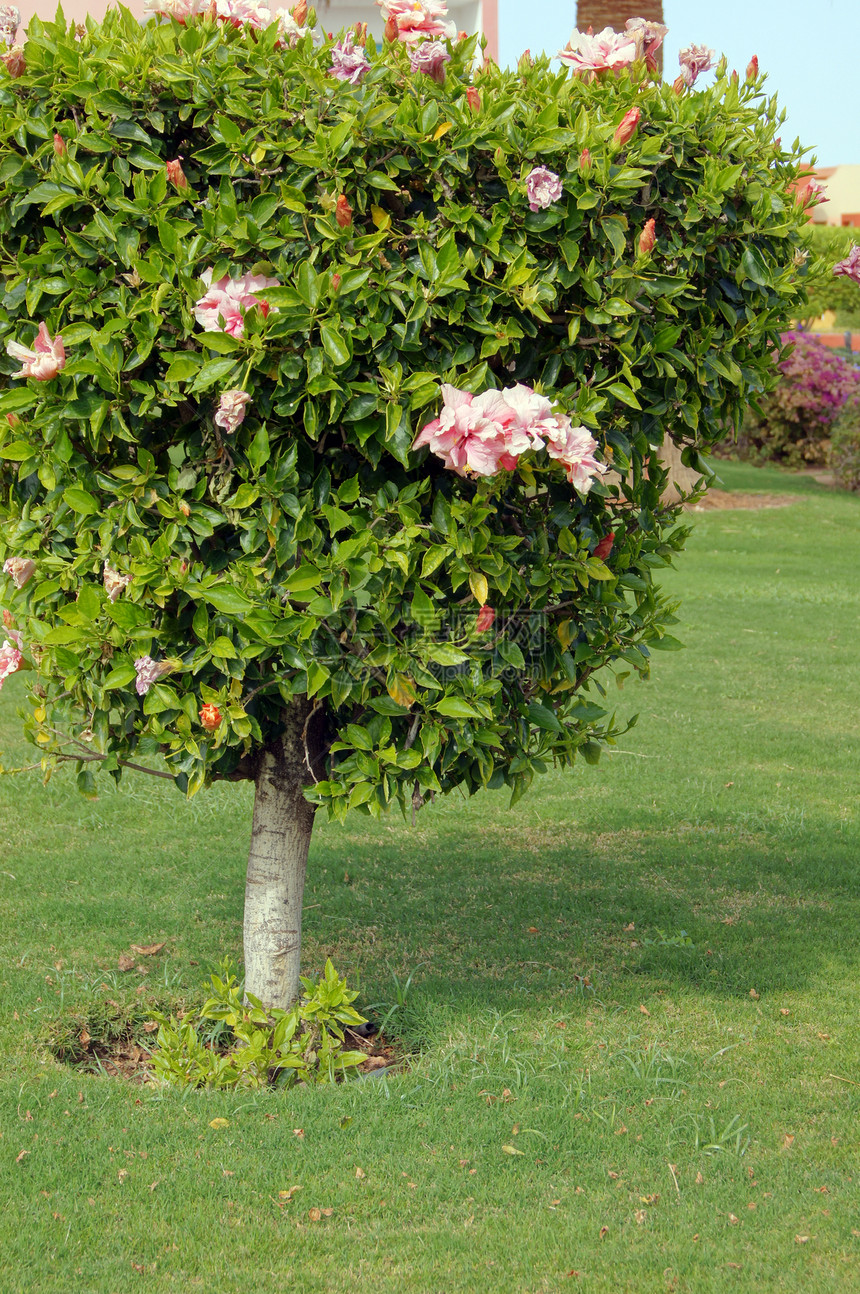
column 614, row 13
column 842, row 185
column 469, row 15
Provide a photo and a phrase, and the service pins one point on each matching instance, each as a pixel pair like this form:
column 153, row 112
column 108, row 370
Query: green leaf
column 80, row 500
column 335, row 345
column 18, row 451
column 543, row 717
column 227, row 599
column 455, row 708
column 120, row 676
column 183, row 366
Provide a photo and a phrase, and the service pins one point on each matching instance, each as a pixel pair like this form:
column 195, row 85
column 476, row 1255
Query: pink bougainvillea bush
column 335, row 380
column 792, row 424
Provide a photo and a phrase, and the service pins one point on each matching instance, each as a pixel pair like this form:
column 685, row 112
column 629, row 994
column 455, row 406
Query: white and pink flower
column 231, row 410
column 543, row 188
column 10, row 660
column 694, row 60
column 430, row 57
column 485, row 434
column 148, row 672
column 224, row 305
column 608, row 51
column 413, row 20
column 850, row 267
column 19, row 570
column 44, row 361
column 10, row 21
column 348, row 63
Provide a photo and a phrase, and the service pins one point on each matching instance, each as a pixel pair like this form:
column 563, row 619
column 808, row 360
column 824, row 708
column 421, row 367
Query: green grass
column 680, row 1095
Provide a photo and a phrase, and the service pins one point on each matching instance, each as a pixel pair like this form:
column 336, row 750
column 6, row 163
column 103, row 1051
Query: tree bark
column 280, row 837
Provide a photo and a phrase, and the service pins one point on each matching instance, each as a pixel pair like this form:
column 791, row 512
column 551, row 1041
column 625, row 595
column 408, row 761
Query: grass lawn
column 634, row 1000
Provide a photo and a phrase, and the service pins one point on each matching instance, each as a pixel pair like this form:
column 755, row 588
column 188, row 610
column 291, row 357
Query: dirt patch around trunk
column 725, row 500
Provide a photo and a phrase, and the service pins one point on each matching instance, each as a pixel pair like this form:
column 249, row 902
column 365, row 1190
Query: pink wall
column 75, row 10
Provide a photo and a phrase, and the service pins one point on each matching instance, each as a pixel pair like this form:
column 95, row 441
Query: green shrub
column 828, row 245
column 844, row 455
column 252, row 1047
column 792, row 425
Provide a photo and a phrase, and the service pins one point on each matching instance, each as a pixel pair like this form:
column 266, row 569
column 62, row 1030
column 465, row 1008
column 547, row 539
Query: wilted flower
column 347, row 62
column 412, row 20
column 231, row 410
column 608, row 51
column 695, row 59
column 752, row 68
column 473, row 98
column 484, row 619
column 647, row 238
column 850, row 267
column 148, row 672
column 175, row 173
column 543, row 188
column 14, row 61
column 223, row 307
column 627, row 127
column 815, row 194
column 604, row 548
column 44, row 361
column 648, row 37
column 430, row 57
column 210, row 717
column 343, row 212
column 10, row 660
column 19, row 570
column 291, row 23
column 114, row 582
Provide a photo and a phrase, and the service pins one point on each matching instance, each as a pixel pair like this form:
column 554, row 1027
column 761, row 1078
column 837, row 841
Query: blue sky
column 811, row 52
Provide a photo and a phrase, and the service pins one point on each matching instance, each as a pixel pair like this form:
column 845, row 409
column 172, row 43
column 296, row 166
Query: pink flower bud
column 473, row 98
column 8, row 619
column 485, row 618
column 391, row 29
column 647, row 238
column 300, row 12
column 13, row 420
column 175, row 173
column 752, row 68
column 627, row 127
column 604, row 548
column 59, row 144
column 585, row 160
column 335, row 282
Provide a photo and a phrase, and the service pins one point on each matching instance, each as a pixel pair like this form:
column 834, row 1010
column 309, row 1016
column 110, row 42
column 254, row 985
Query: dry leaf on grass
column 512, row 1150
column 733, row 1219
column 801, row 1240
column 603, row 1232
column 360, row 1174
column 640, row 1215
column 314, row 1215
column 754, row 995
column 788, row 1141
column 147, row 950
column 219, row 1123
column 644, row 1009
column 288, row 1193
column 19, row 1158
column 298, row 1132
column 125, row 963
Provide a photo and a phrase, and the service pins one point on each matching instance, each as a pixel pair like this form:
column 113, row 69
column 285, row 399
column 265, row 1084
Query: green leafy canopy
column 312, row 554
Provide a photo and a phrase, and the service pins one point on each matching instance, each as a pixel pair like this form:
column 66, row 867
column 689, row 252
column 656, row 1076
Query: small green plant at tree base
column 252, row 1047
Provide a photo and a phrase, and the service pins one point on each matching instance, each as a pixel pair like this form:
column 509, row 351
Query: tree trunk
column 280, row 837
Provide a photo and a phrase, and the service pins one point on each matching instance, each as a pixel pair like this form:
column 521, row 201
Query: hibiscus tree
column 336, row 379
